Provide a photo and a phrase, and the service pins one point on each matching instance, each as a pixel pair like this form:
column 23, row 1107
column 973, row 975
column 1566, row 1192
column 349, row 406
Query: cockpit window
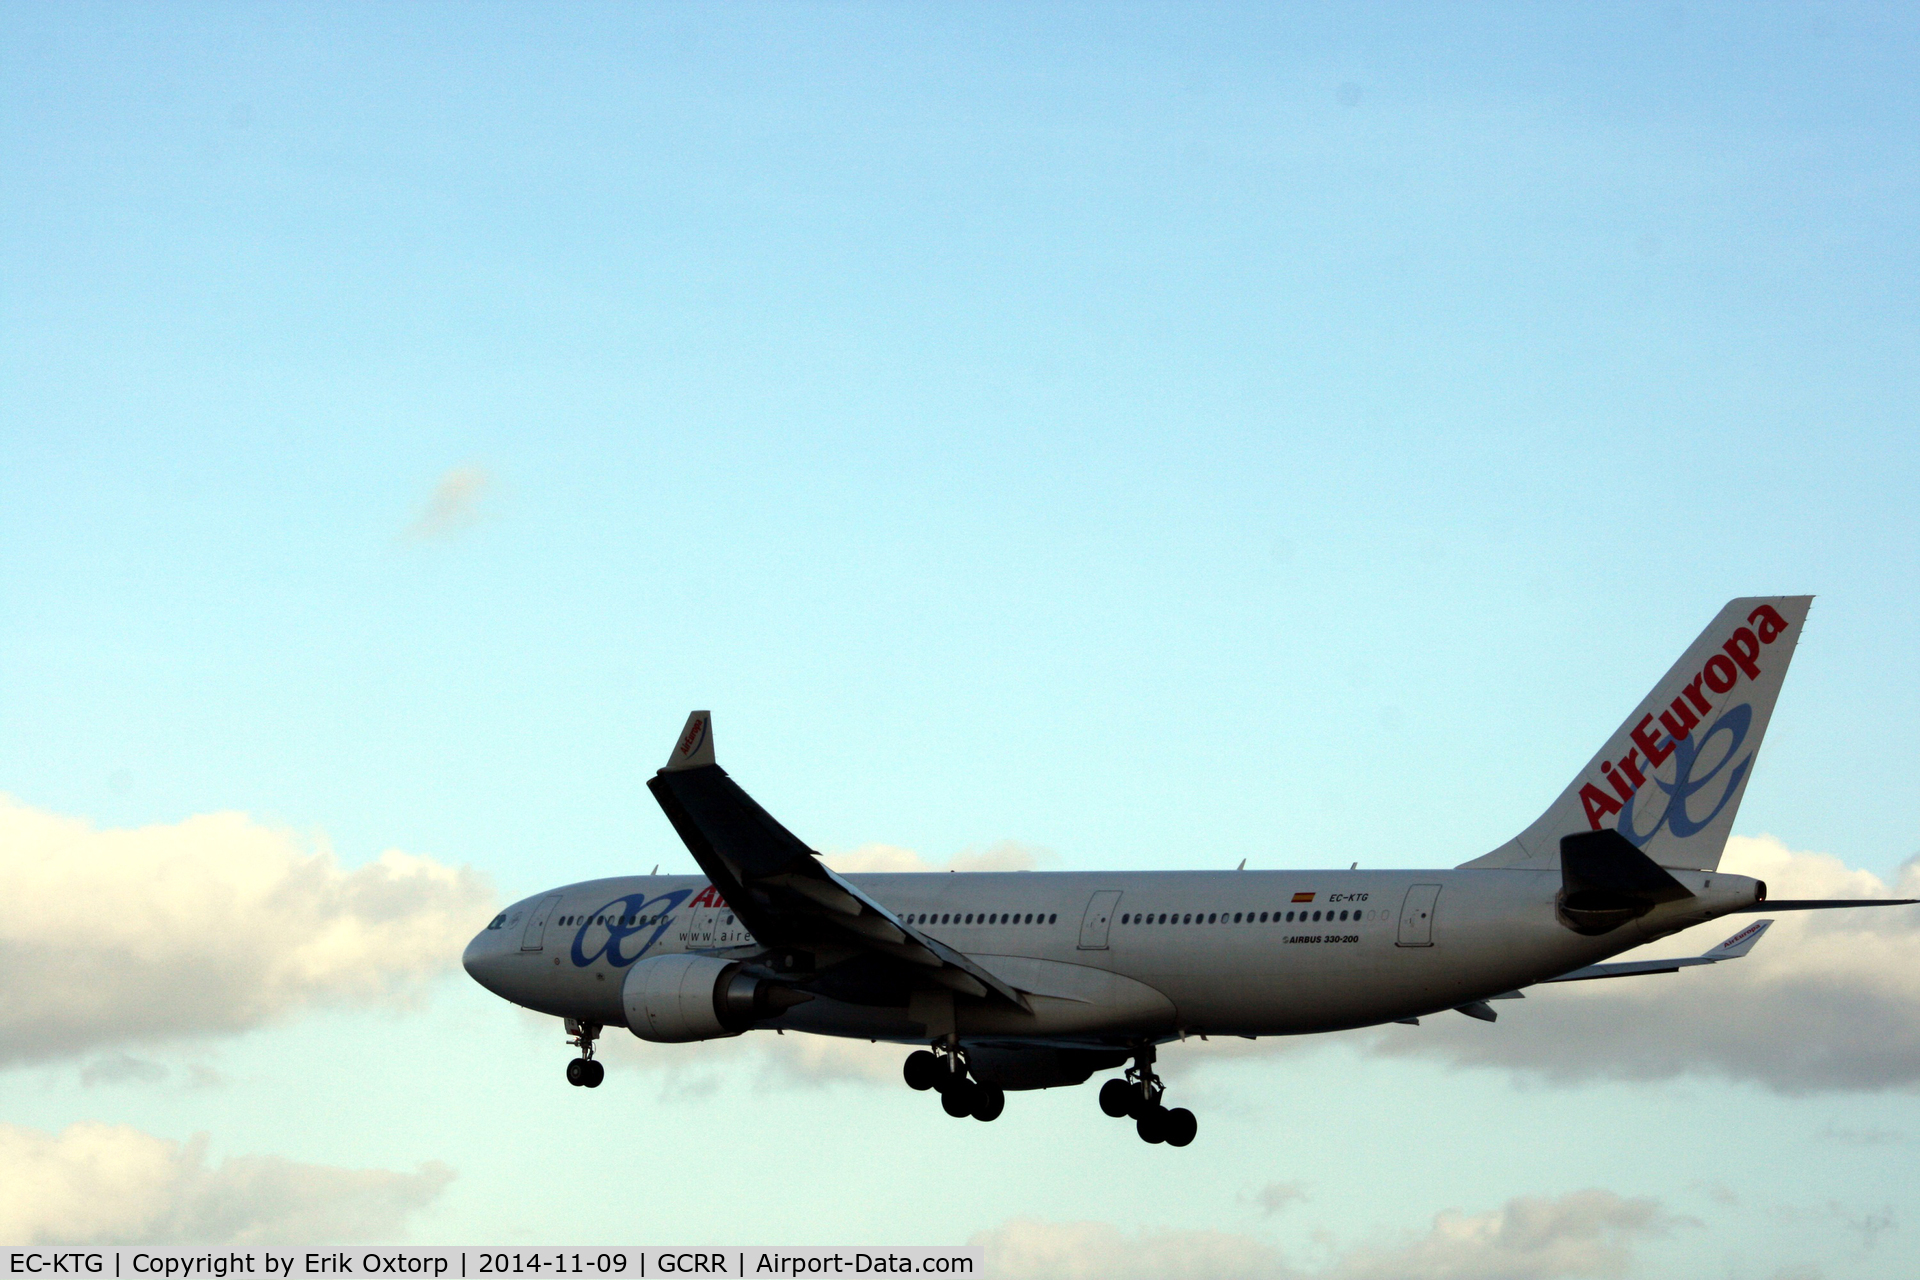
column 498, row 920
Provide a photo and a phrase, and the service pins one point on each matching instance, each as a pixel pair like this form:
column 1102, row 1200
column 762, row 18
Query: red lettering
column 1631, row 767
column 1597, row 802
column 1656, row 753
column 1618, row 783
column 707, row 897
column 1698, row 699
column 1743, row 649
column 1770, row 623
column 1719, row 674
column 1684, row 726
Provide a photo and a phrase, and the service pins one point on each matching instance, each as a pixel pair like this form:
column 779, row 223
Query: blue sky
column 1153, row 436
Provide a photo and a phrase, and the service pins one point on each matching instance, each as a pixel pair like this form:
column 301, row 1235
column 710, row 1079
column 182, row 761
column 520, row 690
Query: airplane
column 1005, row 981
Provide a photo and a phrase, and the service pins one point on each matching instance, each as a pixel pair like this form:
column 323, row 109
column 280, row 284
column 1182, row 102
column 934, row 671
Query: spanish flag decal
column 1303, row 897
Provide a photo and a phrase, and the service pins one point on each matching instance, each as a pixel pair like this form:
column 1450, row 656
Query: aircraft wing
column 1732, row 949
column 779, row 888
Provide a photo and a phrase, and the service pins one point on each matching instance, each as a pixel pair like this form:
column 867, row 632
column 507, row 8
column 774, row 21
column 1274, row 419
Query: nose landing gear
column 1139, row 1096
column 584, row 1070
column 945, row 1069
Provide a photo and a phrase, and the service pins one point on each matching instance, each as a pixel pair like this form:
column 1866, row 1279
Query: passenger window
column 1236, row 917
column 1055, row 916
column 1211, row 919
column 1263, row 917
column 1289, row 917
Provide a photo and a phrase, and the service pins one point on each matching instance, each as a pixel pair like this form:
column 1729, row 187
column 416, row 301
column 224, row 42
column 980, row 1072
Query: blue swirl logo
column 1734, row 722
column 626, row 917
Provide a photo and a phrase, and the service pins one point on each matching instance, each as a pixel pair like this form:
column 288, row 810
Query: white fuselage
column 1119, row 955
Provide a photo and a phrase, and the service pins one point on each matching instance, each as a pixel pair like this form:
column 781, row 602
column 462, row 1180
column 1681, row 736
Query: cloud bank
column 98, row 1184
column 1582, row 1234
column 215, row 924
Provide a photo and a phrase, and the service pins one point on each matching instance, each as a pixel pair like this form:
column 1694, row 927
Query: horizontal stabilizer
column 1732, row 949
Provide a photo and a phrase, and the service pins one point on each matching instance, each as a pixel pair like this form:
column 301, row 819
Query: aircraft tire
column 596, row 1072
column 922, row 1070
column 1117, row 1098
column 957, row 1099
column 989, row 1100
column 1180, row 1127
column 577, row 1071
column 1151, row 1125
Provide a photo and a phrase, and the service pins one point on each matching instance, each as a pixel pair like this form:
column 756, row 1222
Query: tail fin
column 1670, row 779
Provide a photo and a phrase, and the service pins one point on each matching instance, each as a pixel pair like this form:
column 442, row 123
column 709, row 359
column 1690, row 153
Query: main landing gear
column 584, row 1070
column 1138, row 1095
column 945, row 1069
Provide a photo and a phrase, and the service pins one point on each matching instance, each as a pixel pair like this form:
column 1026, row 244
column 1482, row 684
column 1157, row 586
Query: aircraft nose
column 485, row 958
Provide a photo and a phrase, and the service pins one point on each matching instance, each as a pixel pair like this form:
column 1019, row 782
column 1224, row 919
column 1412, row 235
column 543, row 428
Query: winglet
column 1740, row 943
column 694, row 747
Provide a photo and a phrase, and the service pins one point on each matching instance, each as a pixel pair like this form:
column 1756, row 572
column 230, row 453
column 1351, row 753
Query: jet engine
column 674, row 998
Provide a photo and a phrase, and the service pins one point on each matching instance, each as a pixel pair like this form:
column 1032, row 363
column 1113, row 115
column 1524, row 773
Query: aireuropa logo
column 627, row 917
column 1684, row 745
column 691, row 740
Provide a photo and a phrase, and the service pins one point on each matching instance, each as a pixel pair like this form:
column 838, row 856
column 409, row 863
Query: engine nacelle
column 675, row 998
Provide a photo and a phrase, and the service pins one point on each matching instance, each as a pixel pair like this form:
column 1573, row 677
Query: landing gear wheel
column 583, row 1070
column 957, row 1099
column 989, row 1100
column 1179, row 1127
column 1117, row 1098
column 1152, row 1124
column 922, row 1070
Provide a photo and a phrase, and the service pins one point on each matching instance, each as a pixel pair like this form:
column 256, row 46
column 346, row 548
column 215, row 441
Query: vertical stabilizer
column 1671, row 777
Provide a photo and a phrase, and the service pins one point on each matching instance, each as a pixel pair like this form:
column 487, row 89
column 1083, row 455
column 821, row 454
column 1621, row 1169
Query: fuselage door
column 1099, row 917
column 535, row 935
column 1416, row 916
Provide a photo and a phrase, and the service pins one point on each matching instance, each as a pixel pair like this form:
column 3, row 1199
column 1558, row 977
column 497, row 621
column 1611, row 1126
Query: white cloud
column 1582, row 1234
column 214, row 924
column 1585, row 1233
column 1101, row 1251
column 454, row 505
column 1829, row 999
column 96, row 1184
